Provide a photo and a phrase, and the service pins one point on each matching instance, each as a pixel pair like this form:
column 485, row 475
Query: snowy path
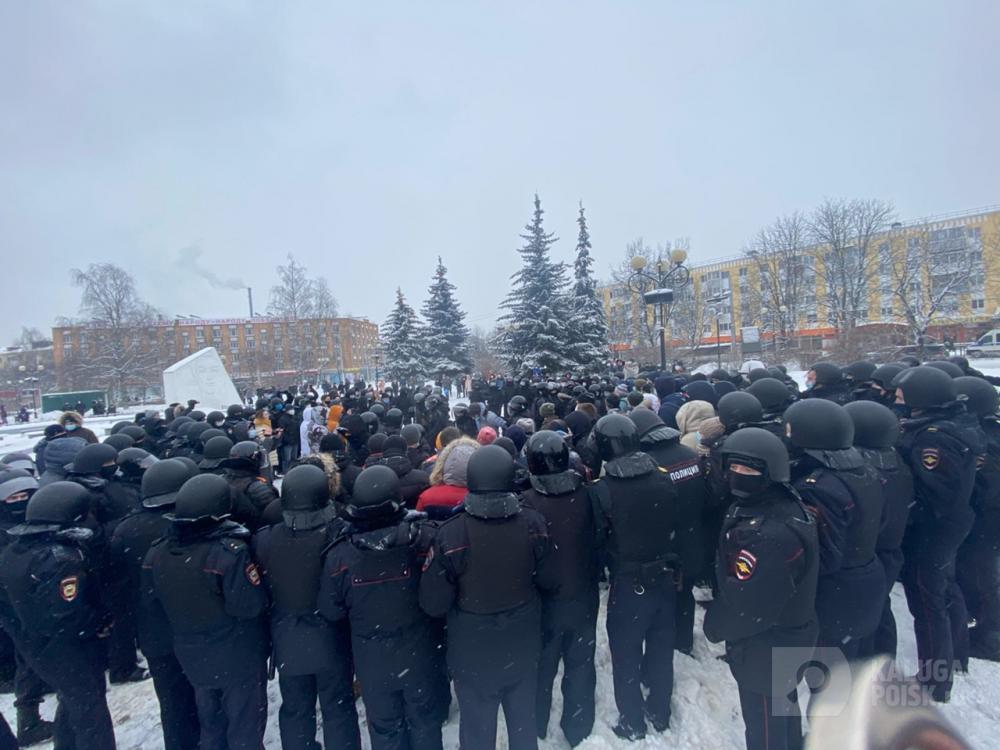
column 705, row 708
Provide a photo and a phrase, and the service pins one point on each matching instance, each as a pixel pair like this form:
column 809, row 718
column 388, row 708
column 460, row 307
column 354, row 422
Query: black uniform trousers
column 297, row 716
column 978, row 571
column 234, row 717
column 121, row 644
column 768, row 726
column 29, row 688
column 7, row 739
column 684, row 618
column 478, row 703
column 178, row 707
column 403, row 706
column 641, row 622
column 939, row 614
column 569, row 633
column 83, row 721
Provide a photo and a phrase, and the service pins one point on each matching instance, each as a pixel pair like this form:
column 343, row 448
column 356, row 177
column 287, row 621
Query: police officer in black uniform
column 978, row 567
column 943, row 455
column 217, row 450
column 371, row 579
column 569, row 613
column 486, row 566
column 826, row 381
column 774, row 397
column 202, row 576
column 131, row 541
column 16, row 488
column 312, row 655
column 50, row 605
column 251, row 492
column 649, row 536
column 684, row 469
column 845, row 494
column 876, row 432
column 767, row 568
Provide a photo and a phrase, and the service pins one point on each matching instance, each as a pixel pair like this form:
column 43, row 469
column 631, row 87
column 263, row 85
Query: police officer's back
column 51, row 606
column 251, row 493
column 209, row 588
column 977, row 565
column 371, row 579
column 876, row 432
column 130, row 543
column 845, row 494
column 312, row 655
column 942, row 450
column 685, row 471
column 486, row 565
column 650, row 539
column 766, row 567
column 569, row 613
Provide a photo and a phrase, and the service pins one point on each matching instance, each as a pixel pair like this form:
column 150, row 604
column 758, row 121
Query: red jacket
column 441, row 496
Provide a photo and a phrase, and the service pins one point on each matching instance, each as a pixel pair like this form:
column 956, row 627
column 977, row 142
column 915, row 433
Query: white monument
column 203, row 377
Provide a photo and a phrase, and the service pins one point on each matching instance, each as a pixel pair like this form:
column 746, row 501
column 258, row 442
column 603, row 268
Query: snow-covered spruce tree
column 401, row 336
column 535, row 331
column 588, row 327
column 445, row 339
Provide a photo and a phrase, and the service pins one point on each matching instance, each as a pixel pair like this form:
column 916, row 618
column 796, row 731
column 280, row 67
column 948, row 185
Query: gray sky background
column 367, row 138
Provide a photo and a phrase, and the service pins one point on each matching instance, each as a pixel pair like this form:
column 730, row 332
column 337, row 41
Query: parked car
column 987, row 345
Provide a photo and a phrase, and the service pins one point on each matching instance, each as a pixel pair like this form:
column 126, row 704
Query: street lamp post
column 716, row 304
column 657, row 286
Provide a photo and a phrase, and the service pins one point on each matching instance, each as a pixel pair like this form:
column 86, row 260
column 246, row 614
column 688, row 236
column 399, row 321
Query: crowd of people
column 417, row 546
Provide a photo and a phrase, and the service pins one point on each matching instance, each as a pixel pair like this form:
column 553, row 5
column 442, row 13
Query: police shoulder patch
column 744, row 565
column 253, row 575
column 68, row 588
column 930, row 458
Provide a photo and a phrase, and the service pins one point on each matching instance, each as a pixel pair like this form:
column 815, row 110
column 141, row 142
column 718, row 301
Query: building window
column 978, row 303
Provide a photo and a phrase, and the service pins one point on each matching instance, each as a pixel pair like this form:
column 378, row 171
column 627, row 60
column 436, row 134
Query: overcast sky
column 368, row 138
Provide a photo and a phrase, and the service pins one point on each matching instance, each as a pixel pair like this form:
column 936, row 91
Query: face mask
column 108, row 471
column 216, row 423
column 71, row 426
column 746, row 485
column 809, row 386
column 251, row 433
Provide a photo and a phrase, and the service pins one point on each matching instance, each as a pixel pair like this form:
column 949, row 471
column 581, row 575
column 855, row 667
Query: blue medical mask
column 251, row 433
column 71, row 426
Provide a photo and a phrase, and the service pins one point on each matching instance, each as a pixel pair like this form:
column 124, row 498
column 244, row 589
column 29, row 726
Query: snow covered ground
column 706, row 711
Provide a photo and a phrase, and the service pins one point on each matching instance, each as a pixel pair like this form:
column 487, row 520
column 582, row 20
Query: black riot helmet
column 616, row 436
column 961, row 362
column 718, row 374
column 650, row 427
column 135, row 432
column 210, row 434
column 244, row 455
column 235, row 411
column 758, row 373
column 193, row 433
column 119, row 426
column 119, row 442
column 177, row 424
column 827, row 373
column 203, row 498
column 16, row 482
column 189, row 462
column 378, row 410
column 981, row 397
column 135, row 461
column 163, row 480
column 758, row 449
column 216, row 451
column 490, row 470
column 818, row 424
column 547, row 453
column 92, row 458
column 197, row 415
column 860, row 371
column 875, row 426
column 305, row 487
column 925, row 387
column 517, row 406
column 377, row 495
column 59, row 504
column 739, row 407
column 948, row 368
column 885, row 374
column 772, row 394
column 394, row 418
column 371, row 422
column 412, row 434
column 215, row 418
